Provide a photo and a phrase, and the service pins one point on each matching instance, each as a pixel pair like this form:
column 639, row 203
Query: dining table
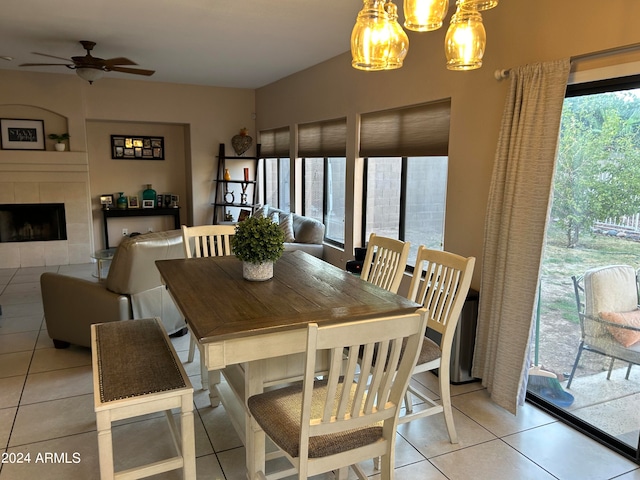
column 255, row 332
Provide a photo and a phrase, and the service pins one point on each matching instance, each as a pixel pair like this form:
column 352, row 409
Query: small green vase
column 121, row 202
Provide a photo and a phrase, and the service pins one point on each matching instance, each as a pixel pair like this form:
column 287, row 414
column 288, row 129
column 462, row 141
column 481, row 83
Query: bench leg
column 188, row 437
column 105, row 445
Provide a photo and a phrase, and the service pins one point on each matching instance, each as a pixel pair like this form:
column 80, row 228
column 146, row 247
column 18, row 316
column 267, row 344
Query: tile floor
column 46, row 410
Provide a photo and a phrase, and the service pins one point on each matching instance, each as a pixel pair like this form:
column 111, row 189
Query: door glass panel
column 594, row 223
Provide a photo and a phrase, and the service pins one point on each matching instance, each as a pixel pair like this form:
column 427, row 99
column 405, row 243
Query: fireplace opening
column 32, row 222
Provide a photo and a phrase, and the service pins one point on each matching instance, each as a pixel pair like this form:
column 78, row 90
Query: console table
column 138, row 212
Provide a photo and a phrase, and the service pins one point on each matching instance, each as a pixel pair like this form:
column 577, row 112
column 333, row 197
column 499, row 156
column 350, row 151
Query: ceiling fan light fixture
column 90, row 74
column 424, row 15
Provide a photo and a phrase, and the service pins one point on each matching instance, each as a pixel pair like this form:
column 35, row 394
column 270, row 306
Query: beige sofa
column 308, row 232
column 133, row 289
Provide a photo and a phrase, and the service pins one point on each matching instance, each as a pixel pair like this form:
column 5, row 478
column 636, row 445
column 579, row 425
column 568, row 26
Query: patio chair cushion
column 623, row 336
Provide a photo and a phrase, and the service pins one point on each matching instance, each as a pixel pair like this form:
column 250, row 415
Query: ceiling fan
column 92, row 68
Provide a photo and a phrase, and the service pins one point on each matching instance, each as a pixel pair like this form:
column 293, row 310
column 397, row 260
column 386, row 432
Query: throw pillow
column 286, row 224
column 623, row 336
column 261, row 211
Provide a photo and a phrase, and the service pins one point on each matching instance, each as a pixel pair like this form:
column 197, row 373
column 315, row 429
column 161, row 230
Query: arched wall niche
column 53, row 122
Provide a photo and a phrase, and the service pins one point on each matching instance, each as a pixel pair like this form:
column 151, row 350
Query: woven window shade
column 421, row 130
column 274, row 143
column 323, row 139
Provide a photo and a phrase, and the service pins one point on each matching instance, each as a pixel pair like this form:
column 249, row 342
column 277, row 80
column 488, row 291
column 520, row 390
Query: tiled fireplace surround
column 47, row 182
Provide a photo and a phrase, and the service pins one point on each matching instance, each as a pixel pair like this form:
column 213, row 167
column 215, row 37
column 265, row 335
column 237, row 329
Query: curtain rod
column 502, row 74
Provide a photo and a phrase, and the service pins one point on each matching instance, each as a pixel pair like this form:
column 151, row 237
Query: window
column 322, row 145
column 406, row 167
column 276, row 178
column 277, row 183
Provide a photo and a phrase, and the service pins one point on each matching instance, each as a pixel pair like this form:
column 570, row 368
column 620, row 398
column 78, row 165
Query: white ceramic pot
column 60, row 147
column 257, row 272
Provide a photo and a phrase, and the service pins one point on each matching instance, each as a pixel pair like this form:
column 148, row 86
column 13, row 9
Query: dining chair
column 440, row 283
column 205, row 241
column 385, row 262
column 350, row 415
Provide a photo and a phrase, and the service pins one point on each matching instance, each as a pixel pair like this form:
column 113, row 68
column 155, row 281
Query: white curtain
column 519, row 201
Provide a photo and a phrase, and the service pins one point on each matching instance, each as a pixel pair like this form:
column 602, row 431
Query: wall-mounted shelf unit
column 235, row 193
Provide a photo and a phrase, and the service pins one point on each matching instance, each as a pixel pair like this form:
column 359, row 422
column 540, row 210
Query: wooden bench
column 136, row 372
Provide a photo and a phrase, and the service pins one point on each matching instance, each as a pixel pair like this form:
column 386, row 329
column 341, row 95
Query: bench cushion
column 134, row 358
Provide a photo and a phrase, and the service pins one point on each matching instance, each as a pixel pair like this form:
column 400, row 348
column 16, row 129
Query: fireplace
column 32, row 222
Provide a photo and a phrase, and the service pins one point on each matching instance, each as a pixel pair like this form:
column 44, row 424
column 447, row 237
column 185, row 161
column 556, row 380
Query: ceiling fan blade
column 52, row 56
column 43, row 64
column 119, row 61
column 135, row 71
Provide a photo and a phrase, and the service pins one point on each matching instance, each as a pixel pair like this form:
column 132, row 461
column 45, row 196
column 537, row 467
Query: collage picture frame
column 129, row 147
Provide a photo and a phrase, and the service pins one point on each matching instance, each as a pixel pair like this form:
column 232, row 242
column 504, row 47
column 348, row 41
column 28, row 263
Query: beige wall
column 193, row 119
column 518, row 33
column 109, row 176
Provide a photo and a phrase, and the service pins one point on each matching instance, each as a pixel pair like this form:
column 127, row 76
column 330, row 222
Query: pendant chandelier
column 378, row 42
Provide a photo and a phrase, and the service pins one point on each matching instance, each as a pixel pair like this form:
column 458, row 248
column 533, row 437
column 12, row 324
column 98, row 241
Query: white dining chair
column 385, row 262
column 440, row 283
column 351, row 415
column 205, row 241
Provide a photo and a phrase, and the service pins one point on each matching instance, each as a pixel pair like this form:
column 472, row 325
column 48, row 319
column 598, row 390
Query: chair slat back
column 440, row 283
column 207, row 240
column 385, row 262
column 368, row 374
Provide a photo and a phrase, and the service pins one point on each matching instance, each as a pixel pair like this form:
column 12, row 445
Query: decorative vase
column 60, row 147
column 121, row 202
column 150, row 194
column 242, row 142
column 257, row 272
column 227, row 175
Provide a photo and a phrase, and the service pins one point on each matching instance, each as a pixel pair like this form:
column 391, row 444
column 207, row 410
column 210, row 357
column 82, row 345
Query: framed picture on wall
column 19, row 134
column 131, row 147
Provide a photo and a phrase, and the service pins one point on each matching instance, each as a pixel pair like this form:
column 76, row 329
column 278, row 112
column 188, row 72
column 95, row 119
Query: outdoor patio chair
column 607, row 301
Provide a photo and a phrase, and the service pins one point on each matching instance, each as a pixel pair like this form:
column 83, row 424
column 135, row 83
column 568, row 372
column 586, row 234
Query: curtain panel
column 515, row 225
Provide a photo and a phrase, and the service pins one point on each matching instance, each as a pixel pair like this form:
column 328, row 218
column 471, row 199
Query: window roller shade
column 275, row 143
column 421, row 130
column 323, row 139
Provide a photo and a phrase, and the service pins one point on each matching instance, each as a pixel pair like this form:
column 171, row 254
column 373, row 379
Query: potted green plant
column 258, row 242
column 59, row 138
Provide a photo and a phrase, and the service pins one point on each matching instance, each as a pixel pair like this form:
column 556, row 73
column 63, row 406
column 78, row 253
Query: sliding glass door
column 586, row 371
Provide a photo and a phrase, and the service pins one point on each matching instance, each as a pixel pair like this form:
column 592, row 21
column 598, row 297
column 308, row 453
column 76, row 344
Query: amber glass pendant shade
column 479, row 5
column 398, row 40
column 424, row 15
column 465, row 40
column 370, row 37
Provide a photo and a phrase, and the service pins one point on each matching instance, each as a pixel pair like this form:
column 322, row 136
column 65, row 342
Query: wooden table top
column 219, row 304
